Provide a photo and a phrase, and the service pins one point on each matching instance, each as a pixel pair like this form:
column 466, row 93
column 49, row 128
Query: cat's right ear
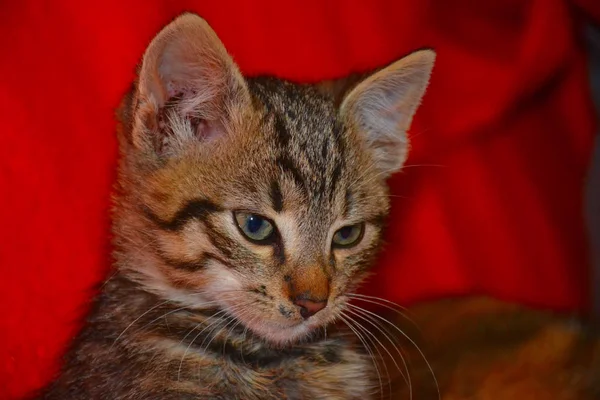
column 189, row 89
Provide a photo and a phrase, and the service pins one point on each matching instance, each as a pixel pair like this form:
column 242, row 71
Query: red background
column 491, row 198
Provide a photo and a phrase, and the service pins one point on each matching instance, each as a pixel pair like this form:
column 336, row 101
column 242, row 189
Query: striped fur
column 194, row 309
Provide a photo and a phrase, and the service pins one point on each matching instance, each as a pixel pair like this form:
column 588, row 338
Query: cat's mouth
column 281, row 334
column 288, row 331
column 278, row 318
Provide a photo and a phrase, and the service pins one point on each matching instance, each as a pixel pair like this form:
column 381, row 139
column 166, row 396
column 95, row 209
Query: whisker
column 245, row 311
column 423, row 165
column 369, row 335
column 384, row 303
column 377, row 298
column 410, row 340
column 231, row 317
column 156, row 319
column 377, row 196
column 137, row 319
column 384, row 327
column 406, row 377
column 414, row 134
column 244, row 335
column 220, row 313
column 366, row 347
column 230, row 320
column 376, row 176
column 219, row 291
column 164, row 316
column 215, row 314
column 194, row 339
column 365, row 172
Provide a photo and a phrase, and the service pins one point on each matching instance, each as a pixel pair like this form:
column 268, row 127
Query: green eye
column 257, row 229
column 348, row 236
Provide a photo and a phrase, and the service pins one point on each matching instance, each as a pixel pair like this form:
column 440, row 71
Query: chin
column 281, row 335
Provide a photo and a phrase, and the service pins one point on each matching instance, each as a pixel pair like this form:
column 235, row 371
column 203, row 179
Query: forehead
column 290, row 154
column 308, row 142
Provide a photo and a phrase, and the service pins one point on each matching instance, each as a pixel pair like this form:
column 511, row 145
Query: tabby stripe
column 325, row 149
column 322, row 188
column 281, row 134
column 268, row 358
column 340, row 147
column 332, row 263
column 279, row 251
column 191, row 266
column 335, row 177
column 340, row 142
column 179, row 318
column 288, row 166
column 224, row 244
column 378, row 220
column 276, row 196
column 348, row 203
column 263, row 358
column 210, row 257
column 230, row 343
column 194, row 209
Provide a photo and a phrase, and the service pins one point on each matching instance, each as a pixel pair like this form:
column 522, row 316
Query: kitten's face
column 257, row 198
column 275, row 223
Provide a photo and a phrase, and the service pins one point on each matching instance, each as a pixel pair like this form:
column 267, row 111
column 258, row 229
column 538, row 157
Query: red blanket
column 490, row 201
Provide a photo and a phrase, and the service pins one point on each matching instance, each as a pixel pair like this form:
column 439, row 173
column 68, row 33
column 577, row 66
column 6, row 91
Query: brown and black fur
column 193, row 310
column 234, row 366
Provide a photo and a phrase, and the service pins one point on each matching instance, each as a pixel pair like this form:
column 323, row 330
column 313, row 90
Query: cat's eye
column 254, row 227
column 348, row 236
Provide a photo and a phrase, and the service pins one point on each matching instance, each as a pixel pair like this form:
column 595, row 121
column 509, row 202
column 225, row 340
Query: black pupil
column 346, row 232
column 254, row 223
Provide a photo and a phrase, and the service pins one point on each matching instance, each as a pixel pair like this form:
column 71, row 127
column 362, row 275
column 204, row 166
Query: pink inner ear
column 205, row 130
column 172, row 90
column 208, row 130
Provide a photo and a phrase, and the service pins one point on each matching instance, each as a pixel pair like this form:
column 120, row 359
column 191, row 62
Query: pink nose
column 309, row 307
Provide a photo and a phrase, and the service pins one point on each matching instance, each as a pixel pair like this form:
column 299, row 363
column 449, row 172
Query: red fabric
column 591, row 9
column 491, row 198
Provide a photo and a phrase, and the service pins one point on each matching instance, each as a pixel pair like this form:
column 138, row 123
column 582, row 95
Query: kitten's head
column 256, row 196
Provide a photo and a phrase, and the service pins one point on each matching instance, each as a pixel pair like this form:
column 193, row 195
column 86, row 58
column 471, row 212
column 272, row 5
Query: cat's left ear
column 382, row 106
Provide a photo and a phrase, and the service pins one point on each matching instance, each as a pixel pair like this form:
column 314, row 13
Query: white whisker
column 406, row 377
column 423, row 165
column 137, row 319
column 386, row 304
column 410, row 340
column 194, row 339
column 369, row 335
column 366, row 347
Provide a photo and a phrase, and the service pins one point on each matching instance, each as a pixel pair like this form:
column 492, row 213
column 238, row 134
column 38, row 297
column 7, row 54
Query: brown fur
column 196, row 308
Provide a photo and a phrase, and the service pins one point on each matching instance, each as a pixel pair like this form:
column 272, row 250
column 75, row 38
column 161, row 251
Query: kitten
column 248, row 211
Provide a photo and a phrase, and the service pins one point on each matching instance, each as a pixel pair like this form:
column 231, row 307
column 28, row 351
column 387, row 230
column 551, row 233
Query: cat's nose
column 309, row 307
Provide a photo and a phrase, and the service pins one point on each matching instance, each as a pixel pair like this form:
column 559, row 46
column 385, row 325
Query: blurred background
column 593, row 189
column 500, row 196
